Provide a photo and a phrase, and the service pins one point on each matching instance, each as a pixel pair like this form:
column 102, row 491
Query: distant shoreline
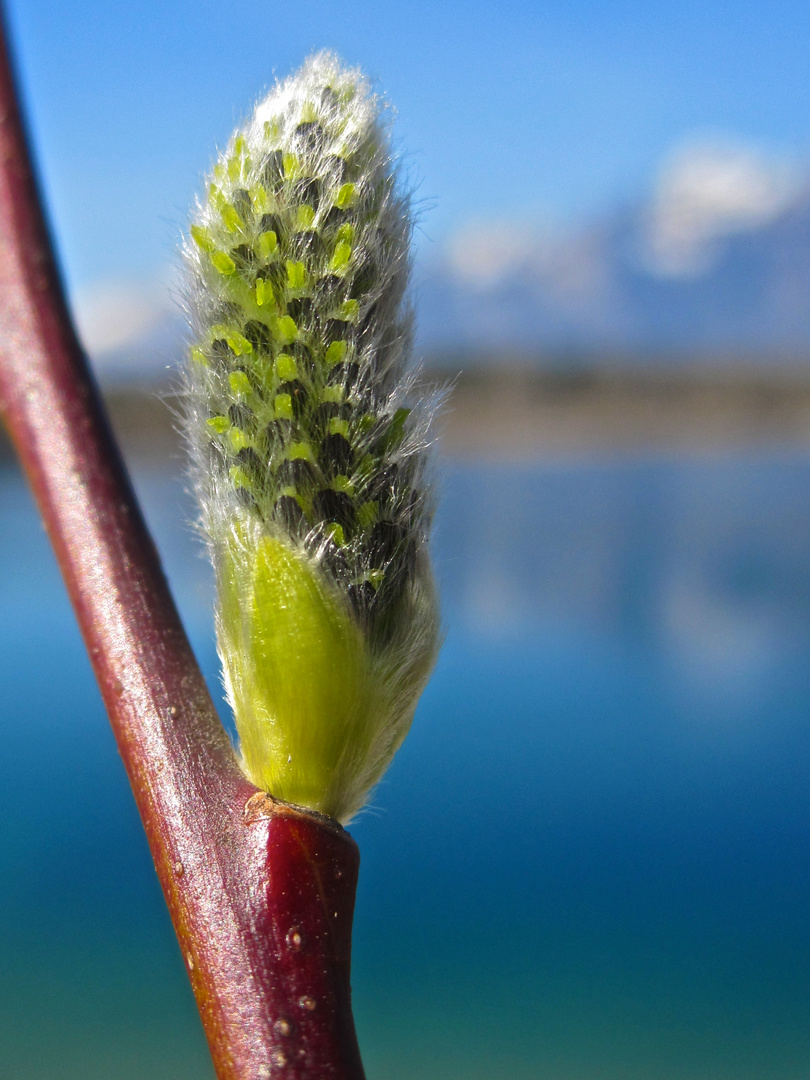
column 528, row 414
column 517, row 413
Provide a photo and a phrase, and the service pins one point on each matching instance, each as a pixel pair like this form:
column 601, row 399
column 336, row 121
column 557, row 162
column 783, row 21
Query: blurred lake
column 591, row 858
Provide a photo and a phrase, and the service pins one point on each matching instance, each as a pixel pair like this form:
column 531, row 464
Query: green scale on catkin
column 309, row 456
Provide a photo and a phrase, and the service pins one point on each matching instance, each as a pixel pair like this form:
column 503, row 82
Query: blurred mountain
column 714, row 265
column 133, row 331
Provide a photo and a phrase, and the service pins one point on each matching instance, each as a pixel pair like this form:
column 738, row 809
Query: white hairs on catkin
column 302, row 409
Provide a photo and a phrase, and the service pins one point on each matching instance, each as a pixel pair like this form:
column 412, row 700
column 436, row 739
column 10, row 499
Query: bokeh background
column 590, row 860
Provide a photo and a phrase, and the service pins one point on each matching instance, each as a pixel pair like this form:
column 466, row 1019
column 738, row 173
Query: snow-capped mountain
column 715, row 264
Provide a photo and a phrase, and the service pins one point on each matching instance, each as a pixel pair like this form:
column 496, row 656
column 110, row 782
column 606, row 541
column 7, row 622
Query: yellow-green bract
column 309, row 441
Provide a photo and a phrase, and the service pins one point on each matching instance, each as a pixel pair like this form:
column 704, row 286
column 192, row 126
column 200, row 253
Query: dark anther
column 289, row 513
column 308, row 245
column 300, row 309
column 332, row 556
column 257, row 334
column 241, row 416
column 303, row 355
column 327, row 410
column 273, row 170
column 385, row 542
column 383, row 485
column 276, row 274
column 336, row 455
column 250, row 462
column 329, row 98
column 278, row 432
column 335, row 217
column 271, row 223
column 334, row 506
column 344, row 375
column 365, row 279
column 243, row 256
column 406, row 563
column 221, row 348
column 308, row 191
column 247, row 498
column 300, row 351
column 337, row 166
column 241, row 200
column 361, row 597
column 371, row 317
column 336, row 330
column 298, row 473
column 328, row 286
column 309, row 134
column 298, row 395
column 399, row 566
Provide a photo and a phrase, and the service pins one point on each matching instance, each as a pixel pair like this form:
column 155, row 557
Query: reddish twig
column 261, row 895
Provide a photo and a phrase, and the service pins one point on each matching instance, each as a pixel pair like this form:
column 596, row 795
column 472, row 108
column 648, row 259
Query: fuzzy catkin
column 308, row 440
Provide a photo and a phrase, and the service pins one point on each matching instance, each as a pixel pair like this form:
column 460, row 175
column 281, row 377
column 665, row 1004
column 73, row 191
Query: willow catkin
column 309, row 442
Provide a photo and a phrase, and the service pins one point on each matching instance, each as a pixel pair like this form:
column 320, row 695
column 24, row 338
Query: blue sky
column 536, row 111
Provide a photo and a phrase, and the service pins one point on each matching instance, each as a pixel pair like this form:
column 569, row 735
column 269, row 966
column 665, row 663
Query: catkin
column 302, row 416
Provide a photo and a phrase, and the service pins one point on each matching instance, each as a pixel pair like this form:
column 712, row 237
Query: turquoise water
column 591, row 858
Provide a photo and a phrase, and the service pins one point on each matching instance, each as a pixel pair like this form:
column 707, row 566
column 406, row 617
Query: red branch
column 261, row 895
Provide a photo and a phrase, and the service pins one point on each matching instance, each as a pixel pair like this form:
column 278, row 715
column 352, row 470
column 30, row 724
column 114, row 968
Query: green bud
column 310, row 448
